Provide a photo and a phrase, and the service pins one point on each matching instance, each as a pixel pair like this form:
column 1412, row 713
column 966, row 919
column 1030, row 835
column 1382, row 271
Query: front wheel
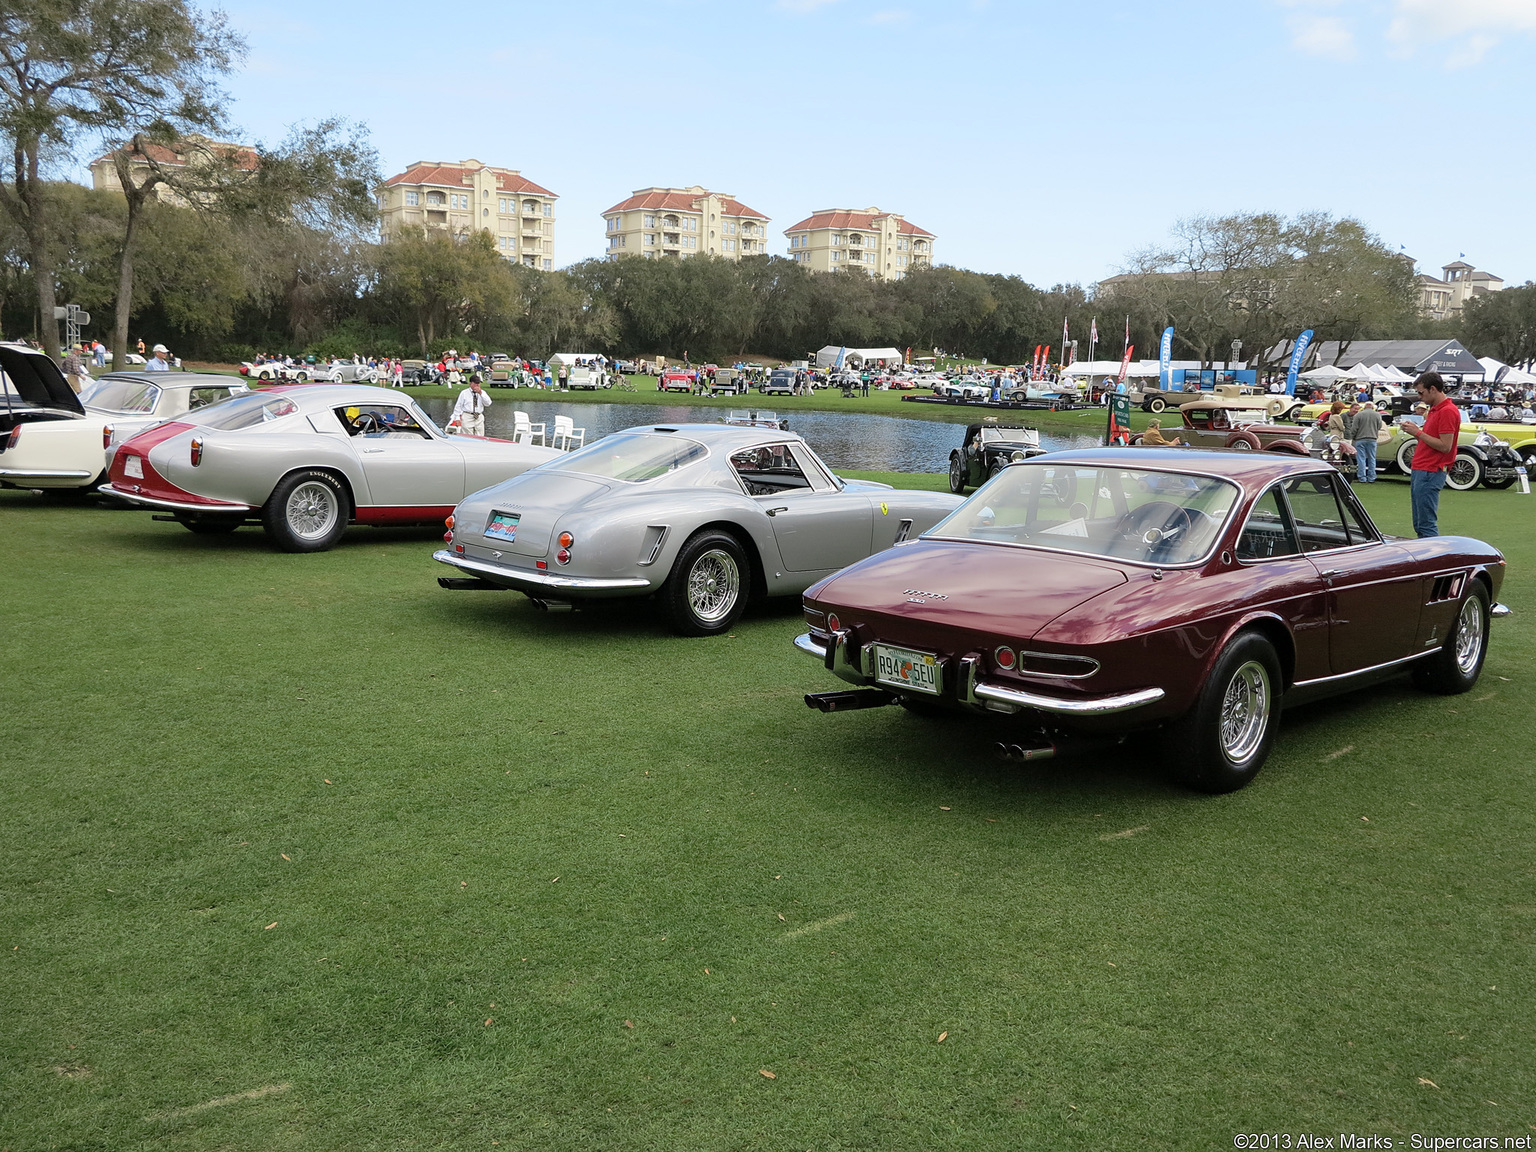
column 307, row 512
column 1223, row 741
column 957, row 475
column 1405, row 452
column 1456, row 665
column 1157, row 404
column 706, row 592
column 1465, row 474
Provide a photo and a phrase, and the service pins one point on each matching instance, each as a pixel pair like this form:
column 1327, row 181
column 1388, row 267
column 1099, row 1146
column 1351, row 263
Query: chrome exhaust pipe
column 1023, row 754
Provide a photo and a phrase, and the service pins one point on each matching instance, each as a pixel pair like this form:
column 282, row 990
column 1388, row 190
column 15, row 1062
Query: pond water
column 853, row 440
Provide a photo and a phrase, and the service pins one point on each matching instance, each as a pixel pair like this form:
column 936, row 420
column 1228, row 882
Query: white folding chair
column 524, row 431
column 567, row 435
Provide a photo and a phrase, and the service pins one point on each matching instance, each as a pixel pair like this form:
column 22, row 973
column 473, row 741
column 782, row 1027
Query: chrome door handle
column 373, row 449
column 1331, row 573
column 776, row 511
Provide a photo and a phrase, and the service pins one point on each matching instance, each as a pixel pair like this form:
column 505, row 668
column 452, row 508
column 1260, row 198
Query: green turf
column 429, row 869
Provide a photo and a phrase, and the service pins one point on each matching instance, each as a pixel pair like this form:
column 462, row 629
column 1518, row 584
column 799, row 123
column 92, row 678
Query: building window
column 650, row 237
column 530, row 207
column 650, row 221
column 382, row 200
column 549, row 210
column 413, row 198
column 837, row 255
column 436, row 198
column 613, row 223
column 548, row 264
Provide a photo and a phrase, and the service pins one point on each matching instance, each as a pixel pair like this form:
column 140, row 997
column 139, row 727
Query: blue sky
column 1043, row 140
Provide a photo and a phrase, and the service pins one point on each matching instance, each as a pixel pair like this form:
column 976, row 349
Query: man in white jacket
column 469, row 409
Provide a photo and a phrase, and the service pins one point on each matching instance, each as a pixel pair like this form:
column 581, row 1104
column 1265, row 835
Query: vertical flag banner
column 1165, row 361
column 1298, row 354
column 1125, row 367
column 1093, row 331
column 1119, row 419
column 1066, row 343
column 1045, row 361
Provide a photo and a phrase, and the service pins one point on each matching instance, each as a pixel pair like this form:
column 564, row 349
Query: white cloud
column 1419, row 21
column 1324, row 36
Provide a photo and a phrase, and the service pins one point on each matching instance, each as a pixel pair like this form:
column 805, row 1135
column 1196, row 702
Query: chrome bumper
column 176, row 505
column 18, row 474
column 522, row 579
column 838, row 659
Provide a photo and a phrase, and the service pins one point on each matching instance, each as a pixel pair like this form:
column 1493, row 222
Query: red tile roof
column 161, row 154
column 836, row 218
column 458, row 176
column 680, row 202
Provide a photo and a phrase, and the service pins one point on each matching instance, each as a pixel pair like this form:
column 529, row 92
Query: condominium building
column 681, row 222
column 469, row 195
column 1442, row 298
column 181, row 158
column 883, row 244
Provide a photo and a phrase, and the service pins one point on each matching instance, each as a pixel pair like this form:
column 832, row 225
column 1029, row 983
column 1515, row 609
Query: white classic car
column 305, row 462
column 60, row 445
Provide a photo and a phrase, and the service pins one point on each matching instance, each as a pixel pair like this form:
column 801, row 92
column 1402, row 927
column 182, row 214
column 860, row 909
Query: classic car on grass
column 703, row 516
column 1482, row 456
column 58, row 445
column 676, row 380
column 781, row 382
column 274, row 371
column 346, row 372
column 963, row 388
column 1227, row 419
column 987, row 449
column 306, row 462
column 1193, row 593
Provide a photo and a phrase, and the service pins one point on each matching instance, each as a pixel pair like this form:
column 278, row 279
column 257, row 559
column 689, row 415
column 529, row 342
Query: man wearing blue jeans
column 1436, row 451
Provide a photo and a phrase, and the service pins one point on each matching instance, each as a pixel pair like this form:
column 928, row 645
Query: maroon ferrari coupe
column 1102, row 591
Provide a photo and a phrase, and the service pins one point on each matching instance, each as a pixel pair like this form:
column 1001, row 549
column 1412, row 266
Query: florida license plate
column 904, row 668
column 133, row 466
column 503, row 526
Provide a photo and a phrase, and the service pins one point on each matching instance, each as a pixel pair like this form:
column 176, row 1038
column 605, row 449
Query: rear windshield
column 632, row 456
column 1124, row 513
column 246, row 411
column 122, row 396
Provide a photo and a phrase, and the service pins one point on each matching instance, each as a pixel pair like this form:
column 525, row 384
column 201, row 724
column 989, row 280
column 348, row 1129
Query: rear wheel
column 707, row 590
column 1466, row 473
column 307, row 512
column 1156, row 404
column 1455, row 667
column 1405, row 456
column 1223, row 741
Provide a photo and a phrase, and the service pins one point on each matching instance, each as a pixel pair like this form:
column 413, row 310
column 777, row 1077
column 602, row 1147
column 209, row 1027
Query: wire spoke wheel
column 714, row 585
column 312, row 510
column 1469, row 635
column 1245, row 707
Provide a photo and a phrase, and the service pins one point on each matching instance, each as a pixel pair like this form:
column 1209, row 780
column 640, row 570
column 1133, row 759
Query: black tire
column 1457, row 663
column 307, row 512
column 996, row 468
column 210, row 525
column 1223, row 741
column 957, row 476
column 1465, row 474
column 1156, row 404
column 707, row 590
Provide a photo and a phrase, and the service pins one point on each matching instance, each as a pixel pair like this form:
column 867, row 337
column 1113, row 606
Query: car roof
column 1249, row 468
column 312, row 396
column 727, row 437
column 178, row 379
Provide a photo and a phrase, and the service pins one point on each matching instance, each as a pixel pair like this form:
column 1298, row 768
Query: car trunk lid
column 538, row 499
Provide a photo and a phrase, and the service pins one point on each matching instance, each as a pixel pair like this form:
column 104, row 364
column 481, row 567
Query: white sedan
column 67, row 444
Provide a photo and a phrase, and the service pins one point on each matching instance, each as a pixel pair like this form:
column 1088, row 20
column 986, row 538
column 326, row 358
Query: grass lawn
column 303, row 852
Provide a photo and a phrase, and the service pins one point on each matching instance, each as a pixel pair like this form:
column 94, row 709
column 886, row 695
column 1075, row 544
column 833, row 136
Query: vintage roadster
column 1099, row 592
column 987, row 449
column 703, row 516
column 305, row 462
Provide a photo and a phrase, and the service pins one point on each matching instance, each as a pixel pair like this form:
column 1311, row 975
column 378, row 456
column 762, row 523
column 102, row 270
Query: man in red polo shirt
column 1436, row 451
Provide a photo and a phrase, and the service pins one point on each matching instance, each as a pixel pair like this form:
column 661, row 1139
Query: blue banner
column 1165, row 361
column 1298, row 354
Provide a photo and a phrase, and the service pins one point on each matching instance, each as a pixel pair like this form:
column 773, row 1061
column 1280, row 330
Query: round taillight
column 197, row 451
column 833, row 623
column 1005, row 657
column 566, row 539
column 106, row 435
column 563, row 556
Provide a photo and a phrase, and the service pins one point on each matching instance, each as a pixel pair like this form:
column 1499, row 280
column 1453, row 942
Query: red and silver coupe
column 1195, row 592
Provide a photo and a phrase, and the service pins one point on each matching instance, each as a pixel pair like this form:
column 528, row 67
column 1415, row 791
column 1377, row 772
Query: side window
column 201, row 397
column 387, row 421
column 1354, row 520
column 1268, row 530
column 770, row 470
column 1315, row 512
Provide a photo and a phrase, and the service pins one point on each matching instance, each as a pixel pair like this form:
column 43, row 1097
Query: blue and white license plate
column 133, row 467
column 503, row 526
column 904, row 668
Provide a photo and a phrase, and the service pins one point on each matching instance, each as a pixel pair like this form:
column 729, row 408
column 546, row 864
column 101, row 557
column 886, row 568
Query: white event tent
column 1514, row 378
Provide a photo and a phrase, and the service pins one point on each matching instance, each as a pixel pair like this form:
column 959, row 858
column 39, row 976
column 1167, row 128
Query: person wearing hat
column 469, row 409
column 160, row 361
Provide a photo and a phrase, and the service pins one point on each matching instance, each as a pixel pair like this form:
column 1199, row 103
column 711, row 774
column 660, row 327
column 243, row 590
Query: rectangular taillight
column 14, row 438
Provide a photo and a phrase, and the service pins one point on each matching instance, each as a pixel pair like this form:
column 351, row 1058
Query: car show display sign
column 1119, row 419
column 1165, row 360
column 1298, row 354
